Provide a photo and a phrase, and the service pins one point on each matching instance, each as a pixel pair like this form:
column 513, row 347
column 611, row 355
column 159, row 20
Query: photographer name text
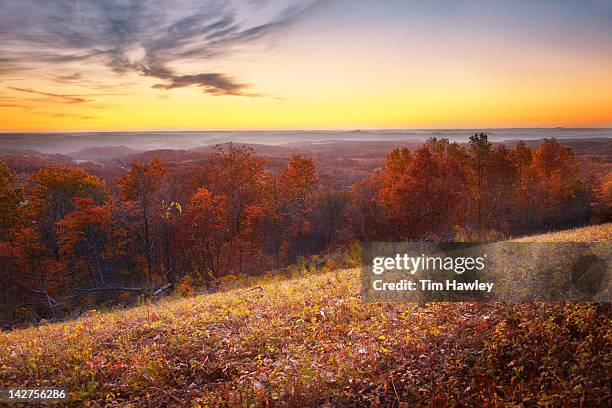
column 431, row 286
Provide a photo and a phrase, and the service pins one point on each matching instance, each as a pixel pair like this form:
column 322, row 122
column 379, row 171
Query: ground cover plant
column 312, row 341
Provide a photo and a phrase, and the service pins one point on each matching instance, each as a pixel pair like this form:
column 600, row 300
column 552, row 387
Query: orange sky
column 319, row 65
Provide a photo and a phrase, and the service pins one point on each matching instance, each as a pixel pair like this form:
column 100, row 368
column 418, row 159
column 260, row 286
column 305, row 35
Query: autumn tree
column 85, row 238
column 9, row 287
column 601, row 203
column 174, row 192
column 11, row 198
column 54, row 195
column 393, row 180
column 275, row 220
column 565, row 198
column 455, row 181
column 298, row 185
column 606, row 199
column 330, row 211
column 367, row 213
column 235, row 173
column 526, row 186
column 11, row 278
column 127, row 256
column 421, row 191
column 207, row 231
column 141, row 186
column 479, row 161
column 502, row 189
column 27, row 275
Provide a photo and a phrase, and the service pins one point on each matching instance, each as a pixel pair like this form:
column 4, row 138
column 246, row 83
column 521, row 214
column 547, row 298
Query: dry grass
column 313, row 342
column 593, row 233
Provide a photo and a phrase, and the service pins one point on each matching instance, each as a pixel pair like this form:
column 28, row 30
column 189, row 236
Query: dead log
column 121, row 289
column 162, row 289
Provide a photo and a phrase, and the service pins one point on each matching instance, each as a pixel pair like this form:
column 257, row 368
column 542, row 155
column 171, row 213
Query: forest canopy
column 72, row 238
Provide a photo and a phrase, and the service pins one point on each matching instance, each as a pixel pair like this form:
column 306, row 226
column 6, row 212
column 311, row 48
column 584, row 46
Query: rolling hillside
column 312, row 342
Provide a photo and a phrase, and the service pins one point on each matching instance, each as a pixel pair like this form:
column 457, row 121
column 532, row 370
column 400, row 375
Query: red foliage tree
column 85, row 240
column 54, row 195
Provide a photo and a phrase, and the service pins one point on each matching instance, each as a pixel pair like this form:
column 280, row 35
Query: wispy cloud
column 80, row 79
column 69, row 79
column 66, row 115
column 152, row 39
column 12, row 102
column 52, row 97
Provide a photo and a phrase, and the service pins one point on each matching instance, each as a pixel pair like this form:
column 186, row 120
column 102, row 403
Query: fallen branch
column 122, row 289
column 163, row 288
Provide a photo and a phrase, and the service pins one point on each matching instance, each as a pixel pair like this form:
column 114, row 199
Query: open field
column 312, row 342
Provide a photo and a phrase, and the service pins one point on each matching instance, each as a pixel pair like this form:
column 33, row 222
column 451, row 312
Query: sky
column 121, row 65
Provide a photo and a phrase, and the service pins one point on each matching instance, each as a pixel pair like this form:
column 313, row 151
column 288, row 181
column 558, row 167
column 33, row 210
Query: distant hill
column 101, row 152
column 29, row 161
column 601, row 145
column 64, row 142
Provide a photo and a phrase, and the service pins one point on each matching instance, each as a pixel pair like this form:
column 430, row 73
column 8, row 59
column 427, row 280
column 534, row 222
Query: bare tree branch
column 122, row 289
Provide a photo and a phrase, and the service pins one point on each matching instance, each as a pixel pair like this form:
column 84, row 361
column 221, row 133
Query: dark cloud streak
column 76, row 77
column 212, row 83
column 52, row 96
column 63, row 98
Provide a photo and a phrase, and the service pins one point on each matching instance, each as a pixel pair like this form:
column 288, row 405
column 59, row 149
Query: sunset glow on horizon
column 191, row 65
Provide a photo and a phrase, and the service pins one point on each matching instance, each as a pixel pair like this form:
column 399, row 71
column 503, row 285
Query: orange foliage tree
column 236, row 174
column 297, row 187
column 11, row 198
column 141, row 186
column 422, row 192
column 563, row 197
column 206, row 230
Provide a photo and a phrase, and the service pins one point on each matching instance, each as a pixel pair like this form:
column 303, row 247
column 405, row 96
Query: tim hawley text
column 413, row 264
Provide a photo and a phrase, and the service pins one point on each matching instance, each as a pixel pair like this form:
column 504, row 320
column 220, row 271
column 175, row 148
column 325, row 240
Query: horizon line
column 343, row 130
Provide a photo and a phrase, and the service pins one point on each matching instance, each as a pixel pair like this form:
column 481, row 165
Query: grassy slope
column 311, row 341
column 592, row 233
